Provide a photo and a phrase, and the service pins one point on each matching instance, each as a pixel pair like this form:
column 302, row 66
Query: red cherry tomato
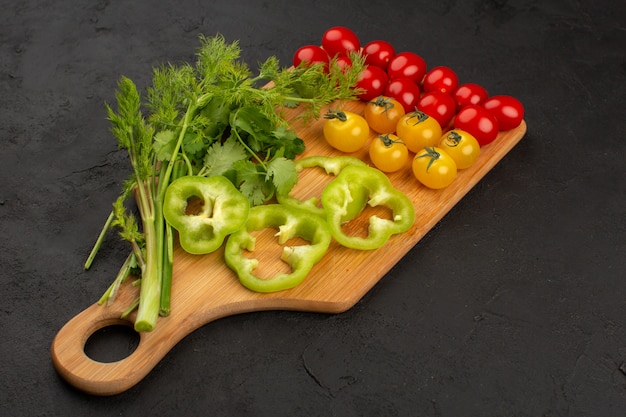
column 469, row 93
column 310, row 54
column 478, row 122
column 340, row 40
column 407, row 65
column 440, row 106
column 508, row 110
column 406, row 91
column 378, row 53
column 442, row 79
column 373, row 81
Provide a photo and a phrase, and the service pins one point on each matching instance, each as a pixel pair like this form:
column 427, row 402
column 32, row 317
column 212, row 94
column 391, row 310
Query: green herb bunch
column 212, row 118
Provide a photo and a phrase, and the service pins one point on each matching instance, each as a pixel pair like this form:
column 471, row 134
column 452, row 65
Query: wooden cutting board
column 204, row 289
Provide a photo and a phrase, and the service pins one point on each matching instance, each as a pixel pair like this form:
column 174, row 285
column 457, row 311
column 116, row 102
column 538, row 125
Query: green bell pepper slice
column 332, row 165
column 290, row 222
column 223, row 210
column 345, row 197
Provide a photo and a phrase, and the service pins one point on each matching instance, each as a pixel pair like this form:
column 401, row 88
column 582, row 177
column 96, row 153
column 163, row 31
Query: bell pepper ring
column 224, row 209
column 345, row 197
column 290, row 222
column 332, row 165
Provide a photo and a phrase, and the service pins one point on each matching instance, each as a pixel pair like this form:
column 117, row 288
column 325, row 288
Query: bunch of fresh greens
column 211, row 118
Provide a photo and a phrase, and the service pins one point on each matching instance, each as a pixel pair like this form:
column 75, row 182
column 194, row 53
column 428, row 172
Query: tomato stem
column 419, row 115
column 430, row 153
column 388, row 141
column 385, row 102
column 454, row 137
column 336, row 114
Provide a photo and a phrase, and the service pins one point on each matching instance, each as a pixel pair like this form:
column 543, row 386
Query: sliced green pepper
column 332, row 166
column 345, row 197
column 290, row 222
column 223, row 210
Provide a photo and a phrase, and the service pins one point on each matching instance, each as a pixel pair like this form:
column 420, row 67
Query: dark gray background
column 513, row 305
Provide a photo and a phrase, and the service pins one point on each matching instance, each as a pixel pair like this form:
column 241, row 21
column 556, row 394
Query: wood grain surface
column 204, row 289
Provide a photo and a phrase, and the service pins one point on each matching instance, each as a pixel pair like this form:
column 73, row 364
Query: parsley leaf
column 193, row 143
column 290, row 142
column 221, row 157
column 282, row 172
column 251, row 182
column 164, row 144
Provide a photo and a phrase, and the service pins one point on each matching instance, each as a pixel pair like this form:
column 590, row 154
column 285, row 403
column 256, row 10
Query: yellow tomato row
column 437, row 156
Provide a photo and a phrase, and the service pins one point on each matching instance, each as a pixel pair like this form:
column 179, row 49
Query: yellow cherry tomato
column 345, row 131
column 388, row 153
column 461, row 146
column 418, row 130
column 434, row 168
column 383, row 113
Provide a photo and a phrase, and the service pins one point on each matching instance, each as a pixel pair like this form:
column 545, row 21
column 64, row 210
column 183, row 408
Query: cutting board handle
column 99, row 378
column 111, row 378
column 73, row 364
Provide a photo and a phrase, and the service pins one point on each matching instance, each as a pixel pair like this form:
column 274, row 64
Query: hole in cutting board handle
column 112, row 343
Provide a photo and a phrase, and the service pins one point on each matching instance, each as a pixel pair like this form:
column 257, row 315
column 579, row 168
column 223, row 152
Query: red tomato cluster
column 405, row 77
column 440, row 116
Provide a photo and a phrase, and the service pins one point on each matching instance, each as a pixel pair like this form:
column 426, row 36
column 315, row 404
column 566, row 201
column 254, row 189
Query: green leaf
column 217, row 113
column 252, row 182
column 269, row 69
column 128, row 112
column 126, row 221
column 290, row 104
column 221, row 157
column 251, row 120
column 193, row 143
column 290, row 142
column 169, row 94
column 131, row 130
column 218, row 60
column 164, row 144
column 282, row 172
column 253, row 127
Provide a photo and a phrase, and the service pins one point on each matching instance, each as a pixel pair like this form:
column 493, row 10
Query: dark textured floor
column 513, row 305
